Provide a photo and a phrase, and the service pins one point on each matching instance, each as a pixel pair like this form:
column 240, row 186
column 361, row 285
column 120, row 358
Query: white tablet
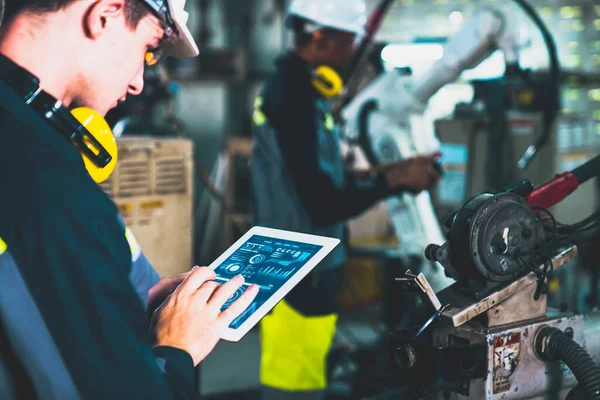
column 273, row 259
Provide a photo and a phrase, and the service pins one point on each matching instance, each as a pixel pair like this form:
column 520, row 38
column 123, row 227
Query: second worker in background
column 300, row 184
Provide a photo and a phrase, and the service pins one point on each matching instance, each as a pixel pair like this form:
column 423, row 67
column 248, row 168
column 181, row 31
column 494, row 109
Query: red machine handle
column 557, row 189
column 553, row 191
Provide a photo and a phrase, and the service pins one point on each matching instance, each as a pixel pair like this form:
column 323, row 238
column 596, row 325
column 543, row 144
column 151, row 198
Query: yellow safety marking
column 329, row 122
column 259, row 117
column 134, row 246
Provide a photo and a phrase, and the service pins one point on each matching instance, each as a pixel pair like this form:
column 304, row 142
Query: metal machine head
column 493, row 239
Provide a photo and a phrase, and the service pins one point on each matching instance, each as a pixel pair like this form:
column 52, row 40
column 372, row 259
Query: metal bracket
column 464, row 308
column 419, row 284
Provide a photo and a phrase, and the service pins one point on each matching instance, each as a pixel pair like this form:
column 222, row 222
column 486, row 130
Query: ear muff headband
column 83, row 127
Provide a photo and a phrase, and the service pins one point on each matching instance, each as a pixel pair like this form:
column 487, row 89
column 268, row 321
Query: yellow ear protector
column 327, row 82
column 99, row 143
column 85, row 128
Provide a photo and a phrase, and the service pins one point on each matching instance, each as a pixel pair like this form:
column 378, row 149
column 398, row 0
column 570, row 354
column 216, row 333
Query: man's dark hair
column 135, row 10
column 297, row 25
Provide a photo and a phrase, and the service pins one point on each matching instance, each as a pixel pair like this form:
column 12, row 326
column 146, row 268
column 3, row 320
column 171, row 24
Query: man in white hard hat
column 299, row 183
column 74, row 286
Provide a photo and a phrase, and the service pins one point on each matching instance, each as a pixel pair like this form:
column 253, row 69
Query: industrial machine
column 152, row 187
column 385, row 120
column 492, row 335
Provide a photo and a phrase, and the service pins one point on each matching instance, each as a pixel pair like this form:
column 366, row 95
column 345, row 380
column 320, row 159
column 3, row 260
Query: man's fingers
column 175, row 281
column 225, row 291
column 434, row 156
column 197, row 276
column 433, row 179
column 238, row 306
column 429, row 159
column 434, row 174
column 205, row 291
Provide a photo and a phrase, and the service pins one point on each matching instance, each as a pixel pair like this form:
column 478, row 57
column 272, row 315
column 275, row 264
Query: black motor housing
column 491, row 238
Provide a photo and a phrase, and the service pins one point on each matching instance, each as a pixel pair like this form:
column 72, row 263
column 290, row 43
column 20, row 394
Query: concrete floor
column 231, row 367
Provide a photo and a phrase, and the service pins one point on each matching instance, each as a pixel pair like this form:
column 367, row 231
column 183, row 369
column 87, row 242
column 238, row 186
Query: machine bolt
column 431, row 252
column 500, row 248
column 569, row 333
column 406, row 357
column 541, row 343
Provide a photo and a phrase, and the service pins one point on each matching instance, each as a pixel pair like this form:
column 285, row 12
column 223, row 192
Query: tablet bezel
column 327, row 243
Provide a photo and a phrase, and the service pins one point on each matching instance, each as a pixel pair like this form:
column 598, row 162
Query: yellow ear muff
column 327, row 82
column 98, row 127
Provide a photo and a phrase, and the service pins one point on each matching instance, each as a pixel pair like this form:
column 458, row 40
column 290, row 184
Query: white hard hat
column 173, row 13
column 343, row 15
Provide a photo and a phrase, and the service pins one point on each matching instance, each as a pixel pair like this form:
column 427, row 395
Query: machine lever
column 437, row 315
column 419, row 283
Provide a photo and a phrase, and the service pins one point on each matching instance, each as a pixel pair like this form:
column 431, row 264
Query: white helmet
column 343, row 15
column 173, row 13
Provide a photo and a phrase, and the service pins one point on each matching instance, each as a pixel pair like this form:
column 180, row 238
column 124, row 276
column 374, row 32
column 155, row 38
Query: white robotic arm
column 398, row 97
column 488, row 31
column 395, row 130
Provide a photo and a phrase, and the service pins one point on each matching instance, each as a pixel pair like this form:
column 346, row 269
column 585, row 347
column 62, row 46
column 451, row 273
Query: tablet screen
column 264, row 261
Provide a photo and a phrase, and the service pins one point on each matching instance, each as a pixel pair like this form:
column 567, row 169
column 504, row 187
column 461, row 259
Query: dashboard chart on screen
column 267, row 262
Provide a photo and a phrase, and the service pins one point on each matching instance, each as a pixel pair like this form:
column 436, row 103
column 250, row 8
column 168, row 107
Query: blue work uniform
column 299, row 183
column 73, row 288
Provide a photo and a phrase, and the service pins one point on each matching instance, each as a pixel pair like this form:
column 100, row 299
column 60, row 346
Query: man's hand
column 163, row 289
column 191, row 318
column 415, row 174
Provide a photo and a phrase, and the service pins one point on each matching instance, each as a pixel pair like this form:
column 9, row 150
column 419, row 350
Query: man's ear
column 100, row 14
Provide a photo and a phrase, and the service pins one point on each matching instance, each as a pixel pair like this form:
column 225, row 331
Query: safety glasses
column 159, row 16
column 159, row 53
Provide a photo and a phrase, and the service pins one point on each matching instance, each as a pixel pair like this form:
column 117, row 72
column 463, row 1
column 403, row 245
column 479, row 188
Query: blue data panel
column 267, row 262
